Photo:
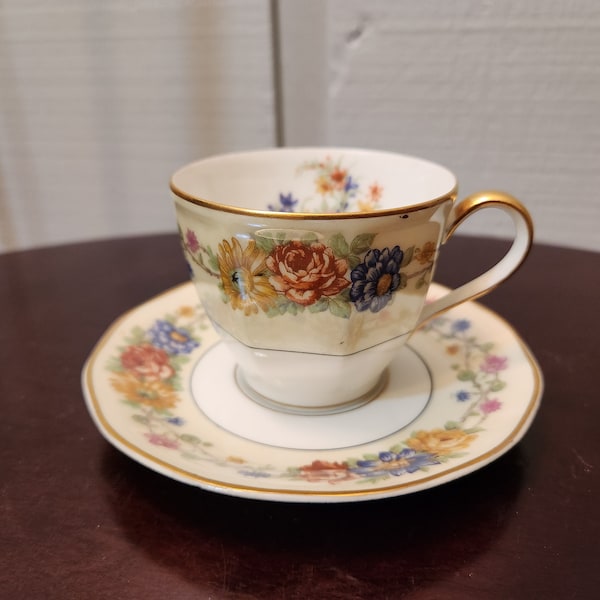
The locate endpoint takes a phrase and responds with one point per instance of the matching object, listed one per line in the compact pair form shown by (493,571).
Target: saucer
(161,388)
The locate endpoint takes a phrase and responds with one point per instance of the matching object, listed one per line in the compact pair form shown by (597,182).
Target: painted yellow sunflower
(244,278)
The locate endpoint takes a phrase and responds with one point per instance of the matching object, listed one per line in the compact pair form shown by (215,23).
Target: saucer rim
(177,473)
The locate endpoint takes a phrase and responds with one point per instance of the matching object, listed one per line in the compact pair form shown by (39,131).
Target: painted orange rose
(305,273)
(332,472)
(147,361)
(440,441)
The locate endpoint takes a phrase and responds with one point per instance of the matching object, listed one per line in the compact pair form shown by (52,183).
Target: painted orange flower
(375,192)
(243,275)
(154,393)
(305,273)
(425,254)
(146,361)
(324,185)
(186,311)
(338,177)
(440,441)
(332,472)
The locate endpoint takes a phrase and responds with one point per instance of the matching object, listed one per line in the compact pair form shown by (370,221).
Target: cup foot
(291,409)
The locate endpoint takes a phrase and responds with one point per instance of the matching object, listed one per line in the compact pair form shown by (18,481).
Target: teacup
(314,263)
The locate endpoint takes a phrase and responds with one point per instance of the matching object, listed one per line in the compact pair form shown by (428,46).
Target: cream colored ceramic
(161,388)
(313,264)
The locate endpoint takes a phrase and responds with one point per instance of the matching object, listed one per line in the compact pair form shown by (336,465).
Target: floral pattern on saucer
(145,373)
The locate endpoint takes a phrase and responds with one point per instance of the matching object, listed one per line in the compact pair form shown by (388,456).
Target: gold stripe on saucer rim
(189,477)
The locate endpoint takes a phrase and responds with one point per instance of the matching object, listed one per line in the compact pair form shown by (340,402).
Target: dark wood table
(81,520)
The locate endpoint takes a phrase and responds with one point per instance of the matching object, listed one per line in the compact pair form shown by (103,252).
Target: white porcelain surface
(161,389)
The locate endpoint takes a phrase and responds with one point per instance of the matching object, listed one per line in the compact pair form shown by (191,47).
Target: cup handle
(511,261)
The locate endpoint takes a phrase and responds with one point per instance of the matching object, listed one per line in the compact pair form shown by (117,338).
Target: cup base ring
(330,409)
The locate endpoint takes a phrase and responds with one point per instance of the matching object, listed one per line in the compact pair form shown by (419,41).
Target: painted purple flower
(350,185)
(492,364)
(376,279)
(172,339)
(287,203)
(461,325)
(490,406)
(463,396)
(392,463)
(191,241)
(177,421)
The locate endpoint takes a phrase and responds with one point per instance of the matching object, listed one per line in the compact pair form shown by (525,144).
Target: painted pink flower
(493,363)
(490,406)
(191,241)
(161,440)
(147,361)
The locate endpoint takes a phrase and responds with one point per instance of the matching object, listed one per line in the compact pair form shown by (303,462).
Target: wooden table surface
(80,520)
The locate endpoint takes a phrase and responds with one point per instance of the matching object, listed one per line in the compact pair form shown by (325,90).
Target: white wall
(101,101)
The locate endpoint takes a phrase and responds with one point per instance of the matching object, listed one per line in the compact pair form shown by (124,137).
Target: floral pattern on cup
(336,190)
(146,372)
(278,276)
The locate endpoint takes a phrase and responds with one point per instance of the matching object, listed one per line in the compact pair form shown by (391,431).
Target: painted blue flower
(392,463)
(376,279)
(350,185)
(287,203)
(171,339)
(463,396)
(177,421)
(461,325)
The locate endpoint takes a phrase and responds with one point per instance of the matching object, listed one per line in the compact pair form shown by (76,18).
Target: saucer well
(161,388)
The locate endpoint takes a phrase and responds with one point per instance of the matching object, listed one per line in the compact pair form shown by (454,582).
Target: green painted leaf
(320,306)
(497,385)
(408,256)
(293,308)
(213,261)
(353,261)
(474,430)
(309,238)
(339,246)
(466,375)
(189,438)
(370,457)
(140,419)
(345,295)
(266,244)
(362,243)
(403,281)
(339,308)
(452,425)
